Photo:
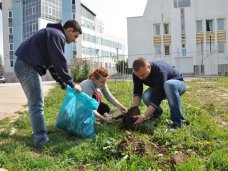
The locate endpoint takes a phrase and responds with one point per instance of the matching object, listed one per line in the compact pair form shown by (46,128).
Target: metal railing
(192,64)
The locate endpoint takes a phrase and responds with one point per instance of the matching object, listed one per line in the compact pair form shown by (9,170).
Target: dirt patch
(159,153)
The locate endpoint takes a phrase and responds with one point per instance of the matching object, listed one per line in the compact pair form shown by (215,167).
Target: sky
(113,13)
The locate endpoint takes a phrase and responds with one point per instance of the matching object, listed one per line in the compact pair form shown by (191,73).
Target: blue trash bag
(76,114)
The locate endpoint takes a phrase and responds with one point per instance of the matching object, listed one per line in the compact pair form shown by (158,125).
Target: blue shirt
(159,74)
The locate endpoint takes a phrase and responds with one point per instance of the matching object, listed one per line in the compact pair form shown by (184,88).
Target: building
(99,48)
(22,18)
(188,34)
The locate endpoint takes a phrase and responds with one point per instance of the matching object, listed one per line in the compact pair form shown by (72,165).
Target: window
(181,3)
(10,14)
(182,22)
(166,28)
(11,46)
(220,24)
(199,26)
(33,26)
(209,25)
(183,50)
(11,63)
(49,10)
(33,10)
(157,49)
(74,17)
(221,47)
(167,50)
(10,30)
(199,48)
(210,47)
(157,29)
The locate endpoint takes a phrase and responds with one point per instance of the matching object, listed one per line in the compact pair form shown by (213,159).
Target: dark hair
(73,24)
(139,63)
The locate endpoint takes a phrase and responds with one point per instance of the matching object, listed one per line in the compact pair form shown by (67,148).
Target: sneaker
(41,143)
(176,126)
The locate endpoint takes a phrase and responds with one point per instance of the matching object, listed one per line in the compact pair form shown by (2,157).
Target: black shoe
(176,126)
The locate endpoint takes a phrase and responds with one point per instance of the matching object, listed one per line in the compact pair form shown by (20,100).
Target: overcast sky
(112,12)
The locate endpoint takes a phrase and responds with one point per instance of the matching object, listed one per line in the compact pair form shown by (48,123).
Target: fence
(192,64)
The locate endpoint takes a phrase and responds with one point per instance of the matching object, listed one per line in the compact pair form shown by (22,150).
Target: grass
(204,142)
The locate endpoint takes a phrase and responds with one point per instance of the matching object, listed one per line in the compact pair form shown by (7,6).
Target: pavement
(13,99)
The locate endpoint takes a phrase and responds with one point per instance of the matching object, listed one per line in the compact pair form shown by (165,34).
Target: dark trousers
(103,108)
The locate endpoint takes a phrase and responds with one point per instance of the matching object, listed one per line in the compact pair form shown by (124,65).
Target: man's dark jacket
(159,74)
(45,50)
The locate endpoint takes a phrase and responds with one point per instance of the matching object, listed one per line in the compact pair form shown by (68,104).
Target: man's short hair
(139,63)
(73,24)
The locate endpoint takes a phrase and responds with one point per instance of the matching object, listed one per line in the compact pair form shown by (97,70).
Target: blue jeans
(32,85)
(173,90)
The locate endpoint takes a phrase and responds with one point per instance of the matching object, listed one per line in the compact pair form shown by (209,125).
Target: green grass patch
(204,142)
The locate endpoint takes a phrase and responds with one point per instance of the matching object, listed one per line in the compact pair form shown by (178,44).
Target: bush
(79,70)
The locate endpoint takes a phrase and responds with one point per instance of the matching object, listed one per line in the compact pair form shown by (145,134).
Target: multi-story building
(22,18)
(96,46)
(188,34)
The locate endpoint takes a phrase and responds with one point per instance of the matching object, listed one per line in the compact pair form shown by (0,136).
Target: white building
(22,18)
(185,33)
(97,46)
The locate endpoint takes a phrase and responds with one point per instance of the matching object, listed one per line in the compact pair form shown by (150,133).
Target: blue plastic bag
(76,114)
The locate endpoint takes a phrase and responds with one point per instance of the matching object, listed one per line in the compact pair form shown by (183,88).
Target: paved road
(12,99)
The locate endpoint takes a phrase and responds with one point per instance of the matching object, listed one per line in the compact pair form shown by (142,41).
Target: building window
(181,3)
(221,47)
(33,10)
(199,26)
(220,24)
(182,23)
(11,46)
(33,26)
(209,25)
(10,30)
(50,10)
(166,28)
(167,50)
(11,63)
(10,14)
(157,29)
(157,49)
(183,50)
(73,16)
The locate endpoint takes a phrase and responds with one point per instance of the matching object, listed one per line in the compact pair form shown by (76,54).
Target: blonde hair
(98,73)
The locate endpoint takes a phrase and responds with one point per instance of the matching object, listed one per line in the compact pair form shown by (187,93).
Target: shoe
(176,126)
(41,143)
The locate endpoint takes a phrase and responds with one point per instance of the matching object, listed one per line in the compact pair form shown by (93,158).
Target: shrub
(79,70)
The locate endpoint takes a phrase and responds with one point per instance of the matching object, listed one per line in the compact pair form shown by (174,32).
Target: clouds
(114,13)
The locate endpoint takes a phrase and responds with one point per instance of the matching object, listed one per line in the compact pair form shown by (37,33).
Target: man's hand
(123,109)
(140,119)
(78,88)
(109,120)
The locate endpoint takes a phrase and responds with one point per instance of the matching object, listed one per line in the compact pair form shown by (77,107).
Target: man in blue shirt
(164,82)
(44,51)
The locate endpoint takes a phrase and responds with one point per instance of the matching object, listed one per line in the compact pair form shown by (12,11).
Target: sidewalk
(13,99)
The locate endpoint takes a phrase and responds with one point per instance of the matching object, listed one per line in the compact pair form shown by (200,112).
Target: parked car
(2,79)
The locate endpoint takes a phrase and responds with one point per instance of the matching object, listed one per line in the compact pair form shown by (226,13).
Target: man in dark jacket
(164,82)
(44,51)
